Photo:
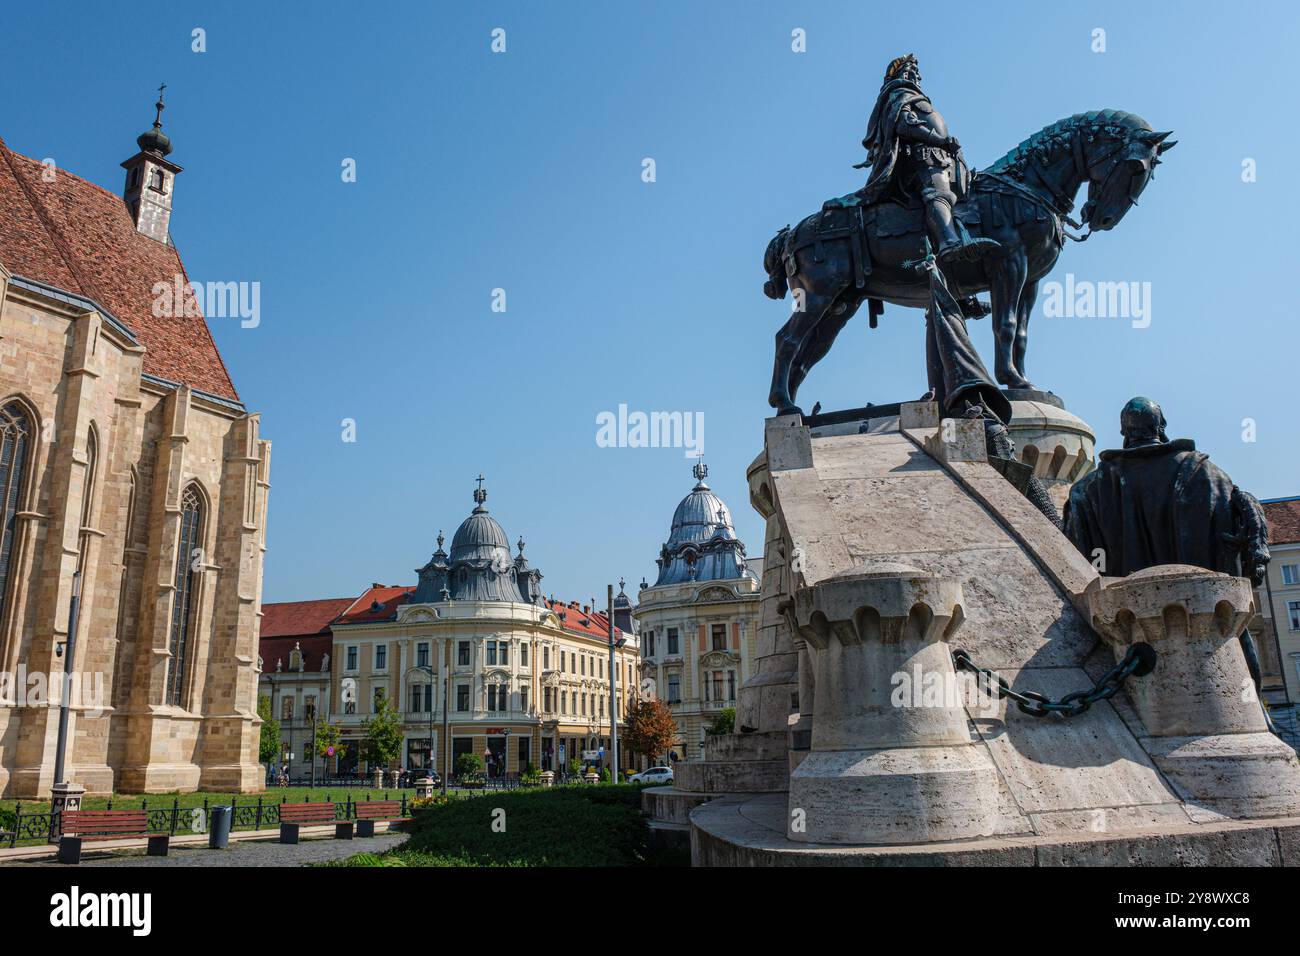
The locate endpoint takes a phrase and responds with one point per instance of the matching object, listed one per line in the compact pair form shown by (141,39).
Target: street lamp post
(613,683)
(70,653)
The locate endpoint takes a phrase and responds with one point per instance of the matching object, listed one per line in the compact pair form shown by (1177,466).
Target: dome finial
(701,470)
(155,140)
(480,496)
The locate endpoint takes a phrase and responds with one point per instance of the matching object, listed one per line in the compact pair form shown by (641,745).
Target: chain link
(1140,661)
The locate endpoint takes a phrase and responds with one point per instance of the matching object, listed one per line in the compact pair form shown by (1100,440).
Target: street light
(614,645)
(428,669)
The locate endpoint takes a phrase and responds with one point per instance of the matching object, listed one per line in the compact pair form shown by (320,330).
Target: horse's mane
(1058,134)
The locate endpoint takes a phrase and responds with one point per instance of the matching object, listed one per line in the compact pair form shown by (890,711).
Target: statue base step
(901,795)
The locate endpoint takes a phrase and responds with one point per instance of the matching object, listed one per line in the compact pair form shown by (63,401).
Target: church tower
(149,180)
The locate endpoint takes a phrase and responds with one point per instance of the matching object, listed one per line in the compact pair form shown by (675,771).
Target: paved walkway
(242,853)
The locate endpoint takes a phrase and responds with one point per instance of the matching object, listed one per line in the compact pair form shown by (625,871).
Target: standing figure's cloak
(1155,504)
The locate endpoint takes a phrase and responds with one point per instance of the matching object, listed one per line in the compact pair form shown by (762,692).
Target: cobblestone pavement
(247,853)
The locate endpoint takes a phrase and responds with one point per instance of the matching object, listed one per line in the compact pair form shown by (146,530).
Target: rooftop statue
(999,230)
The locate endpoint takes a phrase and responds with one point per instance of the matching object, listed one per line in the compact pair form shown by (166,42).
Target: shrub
(571,826)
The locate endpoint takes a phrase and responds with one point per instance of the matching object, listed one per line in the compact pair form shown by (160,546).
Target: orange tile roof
(1283,516)
(79,237)
(387,597)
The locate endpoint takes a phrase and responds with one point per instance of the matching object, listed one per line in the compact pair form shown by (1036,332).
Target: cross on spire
(480,495)
(159,106)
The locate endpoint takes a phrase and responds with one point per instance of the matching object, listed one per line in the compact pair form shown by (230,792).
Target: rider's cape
(882,143)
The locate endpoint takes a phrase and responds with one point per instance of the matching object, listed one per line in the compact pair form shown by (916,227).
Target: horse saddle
(892,218)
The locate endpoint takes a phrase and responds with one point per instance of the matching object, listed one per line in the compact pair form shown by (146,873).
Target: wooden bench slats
(379,810)
(306,813)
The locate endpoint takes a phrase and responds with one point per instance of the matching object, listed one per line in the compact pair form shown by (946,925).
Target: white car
(653,775)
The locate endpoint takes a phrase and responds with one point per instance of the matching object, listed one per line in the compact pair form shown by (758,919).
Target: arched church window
(15,444)
(189,561)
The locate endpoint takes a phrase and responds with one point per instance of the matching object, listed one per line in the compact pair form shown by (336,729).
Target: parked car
(653,775)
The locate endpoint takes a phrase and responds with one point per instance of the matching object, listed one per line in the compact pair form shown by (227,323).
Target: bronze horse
(849,252)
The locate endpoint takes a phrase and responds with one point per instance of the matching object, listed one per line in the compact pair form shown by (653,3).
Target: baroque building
(476,660)
(127,460)
(698,623)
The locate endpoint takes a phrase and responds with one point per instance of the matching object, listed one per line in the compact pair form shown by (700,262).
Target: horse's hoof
(784,410)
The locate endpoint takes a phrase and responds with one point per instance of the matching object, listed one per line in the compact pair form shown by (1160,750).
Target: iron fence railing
(26,826)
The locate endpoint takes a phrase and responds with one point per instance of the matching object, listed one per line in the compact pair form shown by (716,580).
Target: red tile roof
(306,623)
(1283,520)
(76,236)
(387,597)
(278,649)
(597,623)
(301,618)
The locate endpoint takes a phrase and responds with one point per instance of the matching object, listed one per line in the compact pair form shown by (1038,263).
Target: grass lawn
(582,825)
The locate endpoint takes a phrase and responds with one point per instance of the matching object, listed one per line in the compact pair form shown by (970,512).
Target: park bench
(78,826)
(377,811)
(294,815)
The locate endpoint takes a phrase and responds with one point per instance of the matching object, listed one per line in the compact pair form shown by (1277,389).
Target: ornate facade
(519,677)
(698,623)
(129,459)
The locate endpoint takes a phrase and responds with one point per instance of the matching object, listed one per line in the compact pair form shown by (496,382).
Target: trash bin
(219,827)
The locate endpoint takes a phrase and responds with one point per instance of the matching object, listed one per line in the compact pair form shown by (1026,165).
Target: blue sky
(522,171)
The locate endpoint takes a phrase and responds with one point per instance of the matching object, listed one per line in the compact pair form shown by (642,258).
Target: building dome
(480,538)
(702,544)
(479,567)
(154,141)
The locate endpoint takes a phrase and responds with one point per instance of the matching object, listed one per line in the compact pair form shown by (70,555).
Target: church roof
(79,238)
(1283,516)
(301,618)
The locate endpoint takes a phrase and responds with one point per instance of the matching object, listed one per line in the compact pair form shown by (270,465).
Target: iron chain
(1140,661)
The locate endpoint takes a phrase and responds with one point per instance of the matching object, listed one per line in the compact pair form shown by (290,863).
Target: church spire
(149,178)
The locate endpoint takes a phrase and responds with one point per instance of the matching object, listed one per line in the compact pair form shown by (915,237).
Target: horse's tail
(774,265)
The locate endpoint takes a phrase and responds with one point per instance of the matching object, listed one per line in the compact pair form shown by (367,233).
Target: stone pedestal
(1059,446)
(424,788)
(66,796)
(379,778)
(891,758)
(591,776)
(1201,721)
(548,778)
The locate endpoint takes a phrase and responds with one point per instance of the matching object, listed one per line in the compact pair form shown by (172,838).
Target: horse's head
(1117,173)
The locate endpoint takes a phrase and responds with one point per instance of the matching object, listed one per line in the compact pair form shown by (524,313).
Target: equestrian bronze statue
(998,230)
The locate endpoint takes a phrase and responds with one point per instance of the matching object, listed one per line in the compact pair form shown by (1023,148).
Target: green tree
(382,733)
(327,736)
(723,723)
(469,765)
(268,749)
(651,729)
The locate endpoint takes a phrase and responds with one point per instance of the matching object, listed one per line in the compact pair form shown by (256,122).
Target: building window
(523,655)
(717,685)
(674,641)
(286,708)
(583,665)
(503,649)
(492,697)
(377,700)
(416,697)
(462,653)
(422,654)
(352,657)
(491,653)
(546,658)
(561,661)
(523,699)
(309,707)
(428,698)
(381,657)
(719,637)
(15,434)
(564,701)
(189,560)
(731,685)
(547,697)
(674,689)
(1291,574)
(462,697)
(650,643)
(1293,612)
